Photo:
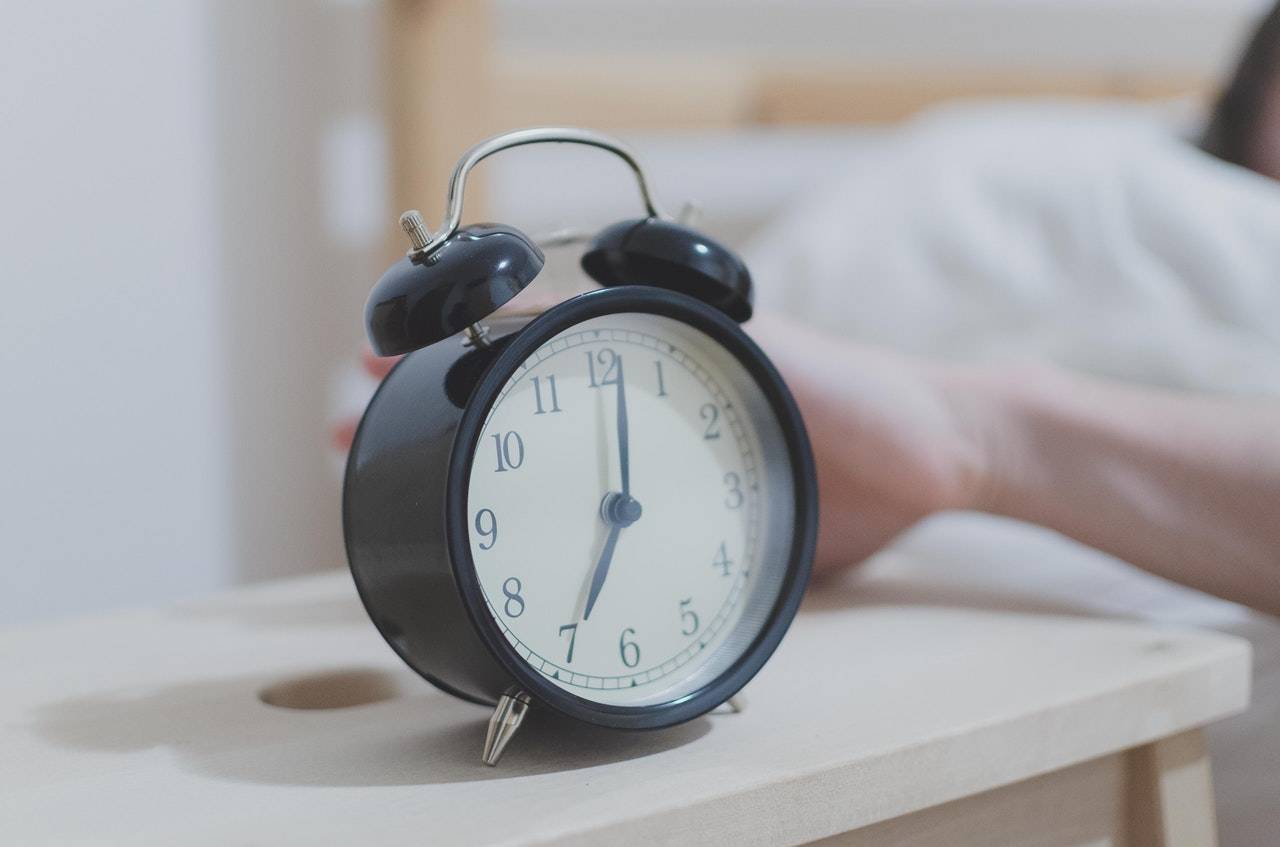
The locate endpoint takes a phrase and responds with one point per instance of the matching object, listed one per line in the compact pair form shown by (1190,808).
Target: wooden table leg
(1170,793)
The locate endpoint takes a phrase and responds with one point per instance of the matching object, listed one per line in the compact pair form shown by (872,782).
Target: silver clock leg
(736,704)
(503,724)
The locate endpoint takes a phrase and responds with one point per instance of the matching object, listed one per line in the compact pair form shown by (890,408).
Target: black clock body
(404,509)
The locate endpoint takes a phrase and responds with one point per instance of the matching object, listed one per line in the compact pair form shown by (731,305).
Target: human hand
(377,367)
(531,301)
(893,439)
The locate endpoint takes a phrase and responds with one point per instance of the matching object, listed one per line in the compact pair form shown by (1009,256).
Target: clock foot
(736,704)
(506,719)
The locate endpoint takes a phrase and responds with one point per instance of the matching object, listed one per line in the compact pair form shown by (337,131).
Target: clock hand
(602,569)
(624,450)
(618,509)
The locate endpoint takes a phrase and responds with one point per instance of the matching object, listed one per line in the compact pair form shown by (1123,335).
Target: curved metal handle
(519,138)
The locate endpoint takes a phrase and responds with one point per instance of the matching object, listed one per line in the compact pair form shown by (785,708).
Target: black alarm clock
(607,509)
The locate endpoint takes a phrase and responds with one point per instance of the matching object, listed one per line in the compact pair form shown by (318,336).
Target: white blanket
(1092,237)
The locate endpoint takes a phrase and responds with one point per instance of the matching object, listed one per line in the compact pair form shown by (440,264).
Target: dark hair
(1236,125)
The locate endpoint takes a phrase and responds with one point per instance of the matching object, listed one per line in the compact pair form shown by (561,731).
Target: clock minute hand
(624,448)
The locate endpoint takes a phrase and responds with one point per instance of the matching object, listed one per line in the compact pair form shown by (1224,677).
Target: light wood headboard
(454,80)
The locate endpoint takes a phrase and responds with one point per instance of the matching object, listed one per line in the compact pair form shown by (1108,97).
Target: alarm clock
(607,509)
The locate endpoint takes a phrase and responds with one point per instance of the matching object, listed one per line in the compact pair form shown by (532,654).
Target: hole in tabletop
(340,689)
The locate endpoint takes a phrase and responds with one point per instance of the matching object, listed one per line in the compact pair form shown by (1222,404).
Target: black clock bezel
(724,331)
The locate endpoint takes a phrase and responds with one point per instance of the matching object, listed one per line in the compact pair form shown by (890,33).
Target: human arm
(1184,485)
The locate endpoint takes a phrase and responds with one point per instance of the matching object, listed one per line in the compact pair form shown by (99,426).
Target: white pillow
(1089,235)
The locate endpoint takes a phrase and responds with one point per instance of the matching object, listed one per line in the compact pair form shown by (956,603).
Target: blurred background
(196,195)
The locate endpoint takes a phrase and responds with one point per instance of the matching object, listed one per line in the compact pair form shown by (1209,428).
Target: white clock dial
(630,509)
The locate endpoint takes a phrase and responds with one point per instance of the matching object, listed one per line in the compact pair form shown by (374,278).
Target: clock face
(630,510)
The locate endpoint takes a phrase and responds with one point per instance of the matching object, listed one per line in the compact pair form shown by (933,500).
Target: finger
(534,300)
(378,366)
(343,434)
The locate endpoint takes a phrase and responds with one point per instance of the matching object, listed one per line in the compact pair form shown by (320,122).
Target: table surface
(886,697)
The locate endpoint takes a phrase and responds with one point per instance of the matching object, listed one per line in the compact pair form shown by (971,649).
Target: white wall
(113,430)
(302,208)
(185,246)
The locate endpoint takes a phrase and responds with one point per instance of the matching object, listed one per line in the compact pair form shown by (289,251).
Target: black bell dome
(664,254)
(424,299)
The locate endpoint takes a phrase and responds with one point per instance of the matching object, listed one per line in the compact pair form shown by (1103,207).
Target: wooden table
(888,716)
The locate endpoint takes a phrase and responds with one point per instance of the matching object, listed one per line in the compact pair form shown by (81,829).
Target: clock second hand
(618,510)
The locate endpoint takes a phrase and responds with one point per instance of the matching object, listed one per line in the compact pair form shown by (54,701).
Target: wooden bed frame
(450,85)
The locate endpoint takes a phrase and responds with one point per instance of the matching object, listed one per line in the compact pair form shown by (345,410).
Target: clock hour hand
(602,569)
(618,511)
